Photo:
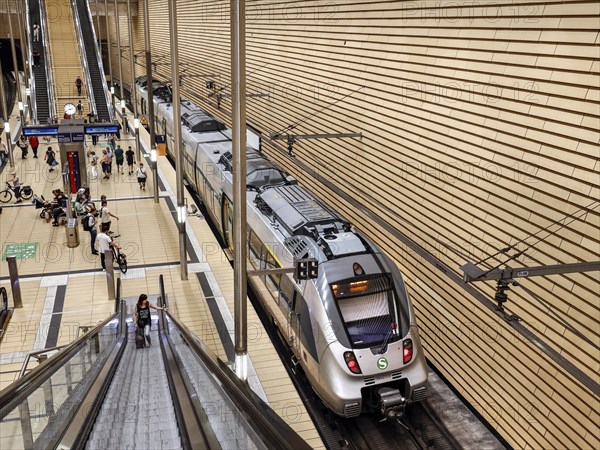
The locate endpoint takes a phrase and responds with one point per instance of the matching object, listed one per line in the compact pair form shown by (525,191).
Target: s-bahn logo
(382,363)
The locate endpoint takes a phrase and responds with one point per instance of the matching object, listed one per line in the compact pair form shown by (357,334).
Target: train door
(287,301)
(227,220)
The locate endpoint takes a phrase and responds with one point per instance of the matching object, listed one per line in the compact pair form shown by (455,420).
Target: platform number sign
(382,363)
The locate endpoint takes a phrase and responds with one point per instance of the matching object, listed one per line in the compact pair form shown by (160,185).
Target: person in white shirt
(36,32)
(104,244)
(141,176)
(105,216)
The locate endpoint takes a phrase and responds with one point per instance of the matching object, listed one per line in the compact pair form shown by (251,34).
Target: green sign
(24,250)
(382,363)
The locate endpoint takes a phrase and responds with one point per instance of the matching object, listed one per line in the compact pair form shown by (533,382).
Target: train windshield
(368,310)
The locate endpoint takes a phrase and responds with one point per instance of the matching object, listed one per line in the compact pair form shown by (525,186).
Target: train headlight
(351,362)
(407,350)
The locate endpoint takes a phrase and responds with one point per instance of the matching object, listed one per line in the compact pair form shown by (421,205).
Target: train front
(373,361)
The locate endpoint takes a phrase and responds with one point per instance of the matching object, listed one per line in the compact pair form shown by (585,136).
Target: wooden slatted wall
(480,129)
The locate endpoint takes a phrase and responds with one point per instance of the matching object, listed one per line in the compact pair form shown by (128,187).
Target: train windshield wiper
(387,337)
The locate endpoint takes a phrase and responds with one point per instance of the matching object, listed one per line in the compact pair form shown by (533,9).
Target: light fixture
(241,366)
(20,106)
(136,123)
(153,155)
(123,104)
(27,92)
(6,127)
(181,213)
(112,90)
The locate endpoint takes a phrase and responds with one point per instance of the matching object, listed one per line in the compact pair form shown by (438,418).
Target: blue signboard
(102,129)
(77,137)
(40,131)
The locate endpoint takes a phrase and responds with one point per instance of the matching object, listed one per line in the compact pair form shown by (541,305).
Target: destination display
(67,138)
(40,131)
(102,129)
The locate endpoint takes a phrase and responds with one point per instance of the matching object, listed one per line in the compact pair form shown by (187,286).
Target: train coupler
(391,403)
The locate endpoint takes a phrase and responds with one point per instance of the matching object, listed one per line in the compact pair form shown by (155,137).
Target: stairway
(137,411)
(42,101)
(96,76)
(65,54)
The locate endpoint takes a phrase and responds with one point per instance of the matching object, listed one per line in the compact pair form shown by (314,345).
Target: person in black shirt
(129,156)
(141,316)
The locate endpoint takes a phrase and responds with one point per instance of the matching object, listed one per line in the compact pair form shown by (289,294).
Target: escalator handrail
(100,65)
(271,429)
(83,55)
(49,64)
(28,32)
(17,392)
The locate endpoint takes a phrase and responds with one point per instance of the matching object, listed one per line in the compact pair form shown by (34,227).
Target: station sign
(67,138)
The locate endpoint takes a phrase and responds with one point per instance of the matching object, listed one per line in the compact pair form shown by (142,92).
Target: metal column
(133,93)
(176,102)
(110,69)
(15,284)
(24,52)
(150,89)
(14,58)
(119,56)
(3,107)
(238,79)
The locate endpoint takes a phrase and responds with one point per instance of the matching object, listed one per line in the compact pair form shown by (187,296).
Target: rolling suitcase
(139,338)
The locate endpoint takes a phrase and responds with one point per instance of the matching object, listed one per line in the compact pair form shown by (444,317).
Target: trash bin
(72,233)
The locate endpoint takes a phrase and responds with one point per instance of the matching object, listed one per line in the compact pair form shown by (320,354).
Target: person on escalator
(36,32)
(141,317)
(78,85)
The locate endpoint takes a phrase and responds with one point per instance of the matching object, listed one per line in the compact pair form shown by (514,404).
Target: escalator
(95,71)
(40,91)
(101,392)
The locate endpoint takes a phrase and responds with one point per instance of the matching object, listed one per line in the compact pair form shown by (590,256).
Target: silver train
(352,330)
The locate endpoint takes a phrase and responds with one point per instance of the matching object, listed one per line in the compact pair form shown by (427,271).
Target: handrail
(118,295)
(101,64)
(82,55)
(270,428)
(32,97)
(17,392)
(49,66)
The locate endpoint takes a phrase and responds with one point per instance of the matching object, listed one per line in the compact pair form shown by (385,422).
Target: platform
(64,288)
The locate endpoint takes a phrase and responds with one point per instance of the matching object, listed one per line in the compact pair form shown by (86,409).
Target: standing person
(104,244)
(78,85)
(23,146)
(16,186)
(93,166)
(89,224)
(80,108)
(129,155)
(110,152)
(105,215)
(51,158)
(34,142)
(94,139)
(141,176)
(36,58)
(4,152)
(141,316)
(36,32)
(105,162)
(119,158)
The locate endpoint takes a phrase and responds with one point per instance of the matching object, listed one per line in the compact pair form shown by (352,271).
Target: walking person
(78,85)
(141,317)
(16,186)
(34,142)
(111,153)
(105,215)
(36,32)
(141,176)
(23,146)
(80,109)
(104,244)
(119,158)
(89,224)
(93,166)
(51,159)
(105,164)
(129,155)
(36,58)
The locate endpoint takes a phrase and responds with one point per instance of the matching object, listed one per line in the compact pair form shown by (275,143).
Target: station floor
(64,289)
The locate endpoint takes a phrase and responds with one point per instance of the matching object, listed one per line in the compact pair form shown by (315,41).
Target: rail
(51,390)
(83,56)
(259,423)
(32,97)
(100,65)
(49,66)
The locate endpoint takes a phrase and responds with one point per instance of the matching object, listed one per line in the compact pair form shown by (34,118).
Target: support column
(110,68)
(110,273)
(150,89)
(120,61)
(238,80)
(14,58)
(3,107)
(176,102)
(133,92)
(14,281)
(24,53)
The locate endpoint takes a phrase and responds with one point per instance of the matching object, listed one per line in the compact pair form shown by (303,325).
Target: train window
(254,246)
(286,291)
(272,281)
(368,310)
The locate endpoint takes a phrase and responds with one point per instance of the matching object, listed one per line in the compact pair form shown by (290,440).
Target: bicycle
(119,257)
(7,194)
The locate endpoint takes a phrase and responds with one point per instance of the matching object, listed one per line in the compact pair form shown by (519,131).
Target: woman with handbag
(51,159)
(142,321)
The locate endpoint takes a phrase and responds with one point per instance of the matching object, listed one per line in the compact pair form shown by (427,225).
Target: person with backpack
(51,159)
(141,176)
(80,109)
(78,85)
(142,320)
(89,224)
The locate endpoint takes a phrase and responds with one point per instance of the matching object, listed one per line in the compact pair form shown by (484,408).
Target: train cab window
(272,281)
(266,176)
(368,310)
(254,247)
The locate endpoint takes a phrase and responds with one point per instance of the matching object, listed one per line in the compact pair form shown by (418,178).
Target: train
(352,329)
